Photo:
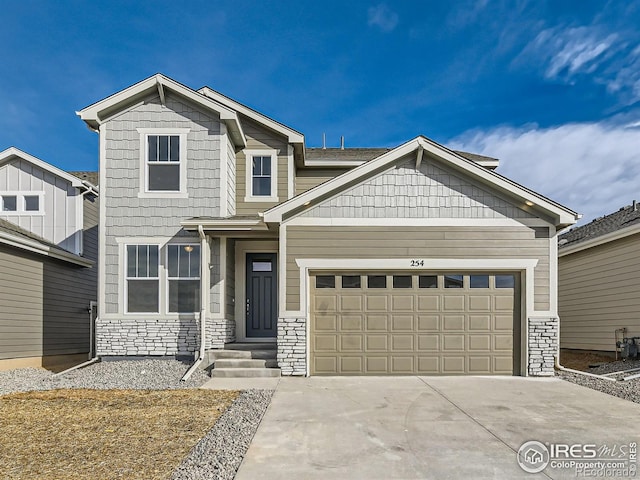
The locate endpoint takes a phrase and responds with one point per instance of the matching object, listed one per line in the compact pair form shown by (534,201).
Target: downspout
(204,281)
(579,372)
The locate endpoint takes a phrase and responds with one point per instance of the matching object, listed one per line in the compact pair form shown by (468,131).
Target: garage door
(407,323)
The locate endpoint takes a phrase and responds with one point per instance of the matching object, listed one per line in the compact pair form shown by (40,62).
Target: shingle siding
(404,192)
(130,216)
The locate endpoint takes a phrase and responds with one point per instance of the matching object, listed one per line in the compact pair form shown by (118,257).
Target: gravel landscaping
(629,390)
(147,374)
(216,456)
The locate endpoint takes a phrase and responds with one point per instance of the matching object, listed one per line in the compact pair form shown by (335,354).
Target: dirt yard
(104,434)
(581,360)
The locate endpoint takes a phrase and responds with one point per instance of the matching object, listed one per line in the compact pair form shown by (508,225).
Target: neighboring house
(48,256)
(599,281)
(413,260)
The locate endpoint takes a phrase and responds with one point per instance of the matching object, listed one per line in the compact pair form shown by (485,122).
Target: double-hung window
(143,282)
(183,277)
(163,162)
(262,174)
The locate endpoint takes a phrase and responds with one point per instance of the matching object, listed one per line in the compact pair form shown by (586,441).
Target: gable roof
(353,157)
(16,236)
(96,113)
(13,152)
(530,200)
(622,223)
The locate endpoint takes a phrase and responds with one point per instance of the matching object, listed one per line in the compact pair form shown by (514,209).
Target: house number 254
(417,263)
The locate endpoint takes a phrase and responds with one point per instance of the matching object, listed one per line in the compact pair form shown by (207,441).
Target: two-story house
(218,226)
(48,256)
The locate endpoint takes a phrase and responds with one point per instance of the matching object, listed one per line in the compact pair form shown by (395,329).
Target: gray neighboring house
(219,227)
(599,281)
(48,262)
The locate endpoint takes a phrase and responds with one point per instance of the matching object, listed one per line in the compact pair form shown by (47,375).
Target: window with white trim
(262,175)
(163,163)
(183,278)
(142,280)
(21,203)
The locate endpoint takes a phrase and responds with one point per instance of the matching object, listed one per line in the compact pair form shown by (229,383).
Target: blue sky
(551,88)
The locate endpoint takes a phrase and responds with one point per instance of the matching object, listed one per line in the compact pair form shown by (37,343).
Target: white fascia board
(11,152)
(560,214)
(36,247)
(594,242)
(91,114)
(563,215)
(334,163)
(292,135)
(275,214)
(225,224)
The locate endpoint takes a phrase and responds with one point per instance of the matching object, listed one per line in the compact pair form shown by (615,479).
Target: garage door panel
(351,365)
(351,303)
(453,303)
(377,322)
(479,323)
(379,303)
(428,322)
(479,365)
(428,303)
(377,365)
(402,303)
(401,331)
(479,303)
(479,343)
(401,322)
(453,322)
(452,342)
(402,343)
(377,342)
(351,322)
(429,343)
(326,303)
(325,343)
(453,365)
(429,365)
(350,343)
(326,365)
(402,365)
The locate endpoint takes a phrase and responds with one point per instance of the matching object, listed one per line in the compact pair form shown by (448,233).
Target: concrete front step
(251,346)
(244,363)
(244,372)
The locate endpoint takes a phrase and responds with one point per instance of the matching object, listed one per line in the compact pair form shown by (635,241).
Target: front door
(262,295)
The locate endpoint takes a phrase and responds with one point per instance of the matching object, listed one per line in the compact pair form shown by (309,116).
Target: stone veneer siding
(147,336)
(292,346)
(543,346)
(220,331)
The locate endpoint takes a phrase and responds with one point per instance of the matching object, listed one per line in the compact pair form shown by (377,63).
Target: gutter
(204,280)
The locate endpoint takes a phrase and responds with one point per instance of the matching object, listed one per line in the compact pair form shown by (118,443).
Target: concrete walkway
(426,427)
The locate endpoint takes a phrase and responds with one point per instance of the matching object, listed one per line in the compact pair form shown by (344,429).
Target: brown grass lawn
(103,434)
(581,360)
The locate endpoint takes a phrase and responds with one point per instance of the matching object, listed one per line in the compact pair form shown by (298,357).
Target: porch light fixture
(528,203)
(188,248)
(306,204)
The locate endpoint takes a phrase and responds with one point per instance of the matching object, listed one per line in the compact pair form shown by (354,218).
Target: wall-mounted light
(188,248)
(528,203)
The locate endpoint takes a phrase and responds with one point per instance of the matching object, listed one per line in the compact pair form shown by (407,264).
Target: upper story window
(262,176)
(163,162)
(21,203)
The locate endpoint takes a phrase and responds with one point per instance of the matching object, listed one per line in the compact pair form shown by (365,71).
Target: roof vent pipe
(634,206)
(342,142)
(324,141)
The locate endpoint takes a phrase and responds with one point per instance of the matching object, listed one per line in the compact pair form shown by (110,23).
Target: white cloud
(572,54)
(382,17)
(592,168)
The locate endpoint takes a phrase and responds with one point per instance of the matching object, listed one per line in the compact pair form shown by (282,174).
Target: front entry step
(243,360)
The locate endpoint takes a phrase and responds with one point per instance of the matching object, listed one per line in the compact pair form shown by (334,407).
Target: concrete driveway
(427,427)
